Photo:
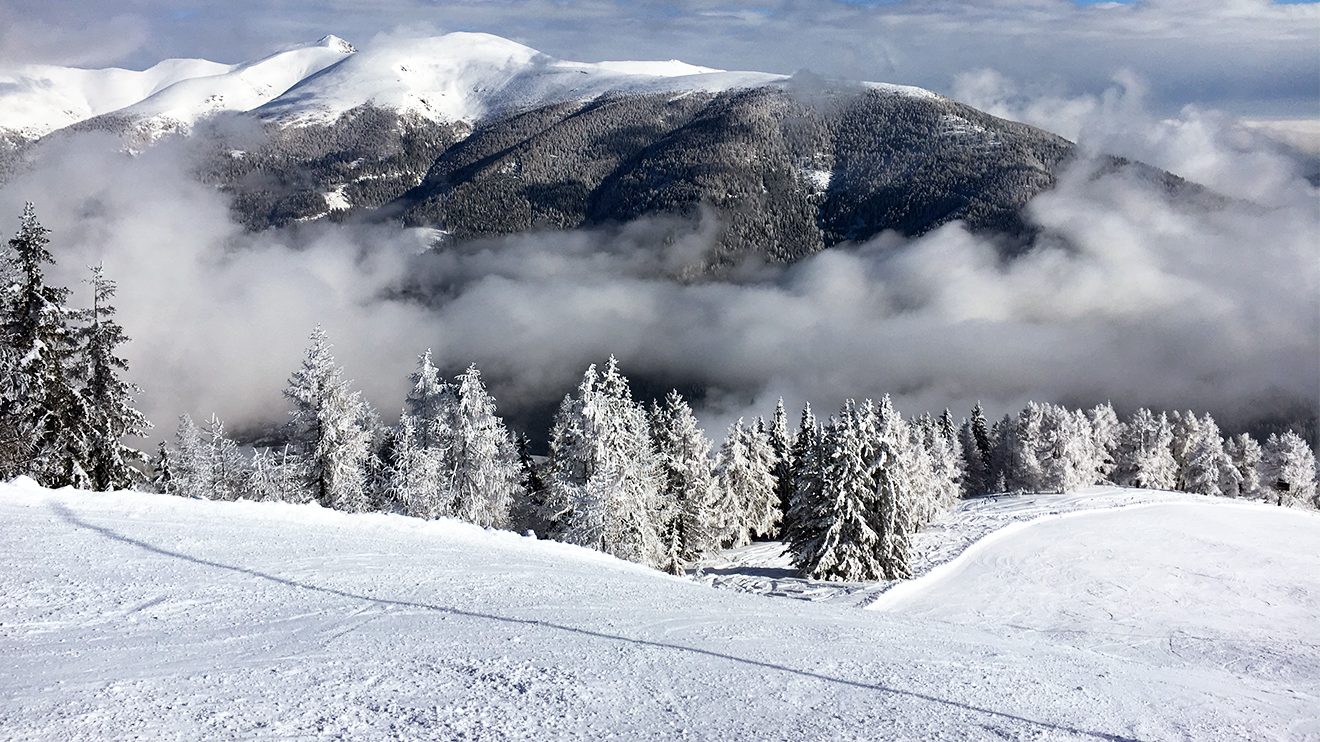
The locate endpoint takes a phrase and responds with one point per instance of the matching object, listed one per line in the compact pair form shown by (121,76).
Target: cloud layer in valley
(1131,298)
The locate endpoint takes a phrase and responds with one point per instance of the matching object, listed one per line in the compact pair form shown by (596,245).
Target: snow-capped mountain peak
(331,41)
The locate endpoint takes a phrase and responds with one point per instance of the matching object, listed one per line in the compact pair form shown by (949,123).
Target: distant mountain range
(476,135)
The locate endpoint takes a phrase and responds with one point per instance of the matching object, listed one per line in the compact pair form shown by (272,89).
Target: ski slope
(131,615)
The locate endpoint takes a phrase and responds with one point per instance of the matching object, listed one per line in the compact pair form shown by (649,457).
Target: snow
(131,615)
(336,199)
(38,99)
(241,88)
(470,76)
(454,78)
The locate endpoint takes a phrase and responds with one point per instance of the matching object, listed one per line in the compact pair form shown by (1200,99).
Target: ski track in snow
(132,615)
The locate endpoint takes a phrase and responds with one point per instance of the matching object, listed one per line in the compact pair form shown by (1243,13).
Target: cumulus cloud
(1127,297)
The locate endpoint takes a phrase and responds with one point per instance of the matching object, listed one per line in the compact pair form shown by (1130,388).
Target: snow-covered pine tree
(1105,432)
(1186,429)
(1025,473)
(430,402)
(1289,470)
(1144,456)
(1068,457)
(836,538)
(805,473)
(416,474)
(894,515)
(109,398)
(604,480)
(984,446)
(975,476)
(162,470)
(781,443)
(529,511)
(745,486)
(1246,455)
(190,471)
(920,483)
(480,462)
(690,526)
(43,399)
(1209,469)
(946,459)
(326,429)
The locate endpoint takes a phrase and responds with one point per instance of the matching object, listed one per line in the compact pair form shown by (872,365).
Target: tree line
(640,482)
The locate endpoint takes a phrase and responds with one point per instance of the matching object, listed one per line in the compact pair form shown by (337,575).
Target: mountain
(476,135)
(39,99)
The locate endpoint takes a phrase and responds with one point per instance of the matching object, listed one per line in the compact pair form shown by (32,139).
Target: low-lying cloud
(1128,298)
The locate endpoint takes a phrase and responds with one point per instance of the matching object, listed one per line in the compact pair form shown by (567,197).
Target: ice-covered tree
(415,474)
(273,476)
(113,416)
(1289,471)
(223,464)
(745,486)
(690,526)
(1144,455)
(1186,430)
(1209,469)
(326,429)
(43,399)
(604,479)
(1067,454)
(946,460)
(190,474)
(1105,432)
(429,403)
(479,459)
(1246,455)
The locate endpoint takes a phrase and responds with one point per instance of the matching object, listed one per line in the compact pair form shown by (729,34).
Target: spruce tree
(326,429)
(745,486)
(690,525)
(805,474)
(43,398)
(975,479)
(840,521)
(781,444)
(604,478)
(479,459)
(109,398)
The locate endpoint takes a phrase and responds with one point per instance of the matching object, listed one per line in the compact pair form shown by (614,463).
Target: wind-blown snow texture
(129,614)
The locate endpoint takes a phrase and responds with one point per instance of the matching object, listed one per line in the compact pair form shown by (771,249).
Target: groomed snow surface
(132,615)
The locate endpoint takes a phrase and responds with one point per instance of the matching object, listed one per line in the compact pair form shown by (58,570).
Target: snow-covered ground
(765,568)
(129,615)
